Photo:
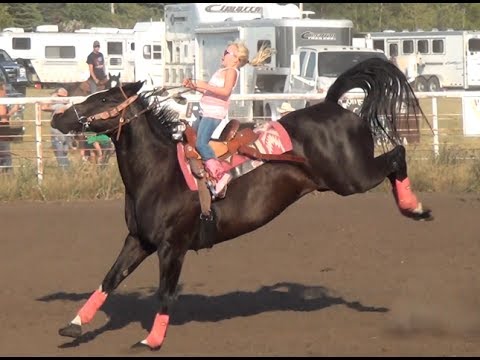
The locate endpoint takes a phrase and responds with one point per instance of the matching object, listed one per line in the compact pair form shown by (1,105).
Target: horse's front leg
(131,255)
(170,262)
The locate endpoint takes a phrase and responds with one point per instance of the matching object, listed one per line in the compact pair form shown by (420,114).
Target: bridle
(121,109)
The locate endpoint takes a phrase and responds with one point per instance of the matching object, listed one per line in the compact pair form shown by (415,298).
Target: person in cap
(285,109)
(96,65)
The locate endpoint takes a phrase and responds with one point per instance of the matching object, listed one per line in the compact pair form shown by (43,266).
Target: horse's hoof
(424,215)
(71,330)
(144,346)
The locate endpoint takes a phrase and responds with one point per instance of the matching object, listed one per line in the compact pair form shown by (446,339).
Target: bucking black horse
(162,213)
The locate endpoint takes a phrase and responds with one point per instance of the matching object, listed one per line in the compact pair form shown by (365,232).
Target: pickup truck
(16,73)
(315,68)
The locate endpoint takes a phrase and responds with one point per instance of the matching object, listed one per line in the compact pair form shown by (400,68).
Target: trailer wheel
(433,84)
(421,84)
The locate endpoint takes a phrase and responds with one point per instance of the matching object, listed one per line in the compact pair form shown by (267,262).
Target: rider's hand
(188,83)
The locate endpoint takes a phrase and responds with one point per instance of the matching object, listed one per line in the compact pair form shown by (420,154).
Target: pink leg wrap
(159,329)
(405,197)
(92,305)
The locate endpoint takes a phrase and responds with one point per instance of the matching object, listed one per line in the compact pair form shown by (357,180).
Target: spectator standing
(5,146)
(60,142)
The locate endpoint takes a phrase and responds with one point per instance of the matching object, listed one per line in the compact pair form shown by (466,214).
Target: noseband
(109,114)
(116,111)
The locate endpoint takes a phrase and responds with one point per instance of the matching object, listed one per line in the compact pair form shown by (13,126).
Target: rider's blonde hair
(243,54)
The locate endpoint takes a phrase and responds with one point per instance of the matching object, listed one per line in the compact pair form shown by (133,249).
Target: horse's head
(98,112)
(113,81)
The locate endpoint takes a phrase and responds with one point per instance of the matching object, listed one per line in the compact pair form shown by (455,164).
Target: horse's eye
(103,100)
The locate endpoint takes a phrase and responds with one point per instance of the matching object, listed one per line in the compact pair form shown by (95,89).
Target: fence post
(436,143)
(38,142)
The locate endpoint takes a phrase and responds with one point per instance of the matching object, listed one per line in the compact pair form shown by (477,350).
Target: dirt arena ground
(329,276)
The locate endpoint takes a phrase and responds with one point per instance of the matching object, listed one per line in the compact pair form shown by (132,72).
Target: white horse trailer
(57,57)
(434,59)
(197,35)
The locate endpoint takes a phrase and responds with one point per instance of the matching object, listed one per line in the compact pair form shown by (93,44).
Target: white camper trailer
(197,35)
(434,59)
(54,57)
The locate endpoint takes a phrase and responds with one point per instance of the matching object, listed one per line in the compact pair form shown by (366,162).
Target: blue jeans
(60,145)
(205,127)
(5,157)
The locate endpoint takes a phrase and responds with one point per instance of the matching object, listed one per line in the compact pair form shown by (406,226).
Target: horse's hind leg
(370,172)
(394,166)
(131,255)
(170,262)
(406,200)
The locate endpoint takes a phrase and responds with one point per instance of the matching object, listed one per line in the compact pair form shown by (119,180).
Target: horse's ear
(132,88)
(109,75)
(119,73)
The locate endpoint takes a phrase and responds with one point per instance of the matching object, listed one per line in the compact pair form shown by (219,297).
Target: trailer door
(149,60)
(117,61)
(473,63)
(211,47)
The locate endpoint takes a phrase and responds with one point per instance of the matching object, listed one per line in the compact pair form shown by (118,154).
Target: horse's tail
(386,91)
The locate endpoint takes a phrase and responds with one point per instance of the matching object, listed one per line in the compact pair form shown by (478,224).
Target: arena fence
(454,118)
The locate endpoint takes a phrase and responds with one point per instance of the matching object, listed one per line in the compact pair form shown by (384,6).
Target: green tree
(53,13)
(92,14)
(5,17)
(127,14)
(25,15)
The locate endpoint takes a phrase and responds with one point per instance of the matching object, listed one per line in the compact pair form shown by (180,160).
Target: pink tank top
(216,106)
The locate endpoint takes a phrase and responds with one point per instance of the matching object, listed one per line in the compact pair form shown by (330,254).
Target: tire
(433,84)
(421,84)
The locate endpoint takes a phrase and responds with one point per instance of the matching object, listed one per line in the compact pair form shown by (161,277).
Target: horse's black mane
(166,120)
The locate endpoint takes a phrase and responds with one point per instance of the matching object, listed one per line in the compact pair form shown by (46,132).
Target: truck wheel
(421,84)
(433,84)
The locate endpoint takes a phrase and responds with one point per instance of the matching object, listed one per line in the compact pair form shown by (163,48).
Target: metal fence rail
(446,120)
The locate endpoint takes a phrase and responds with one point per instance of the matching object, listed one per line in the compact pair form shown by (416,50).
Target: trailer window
(21,43)
(116,61)
(437,46)
(474,45)
(147,52)
(422,46)
(379,44)
(60,52)
(393,49)
(266,43)
(407,47)
(157,52)
(114,48)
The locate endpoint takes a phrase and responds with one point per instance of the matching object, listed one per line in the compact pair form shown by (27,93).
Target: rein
(121,109)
